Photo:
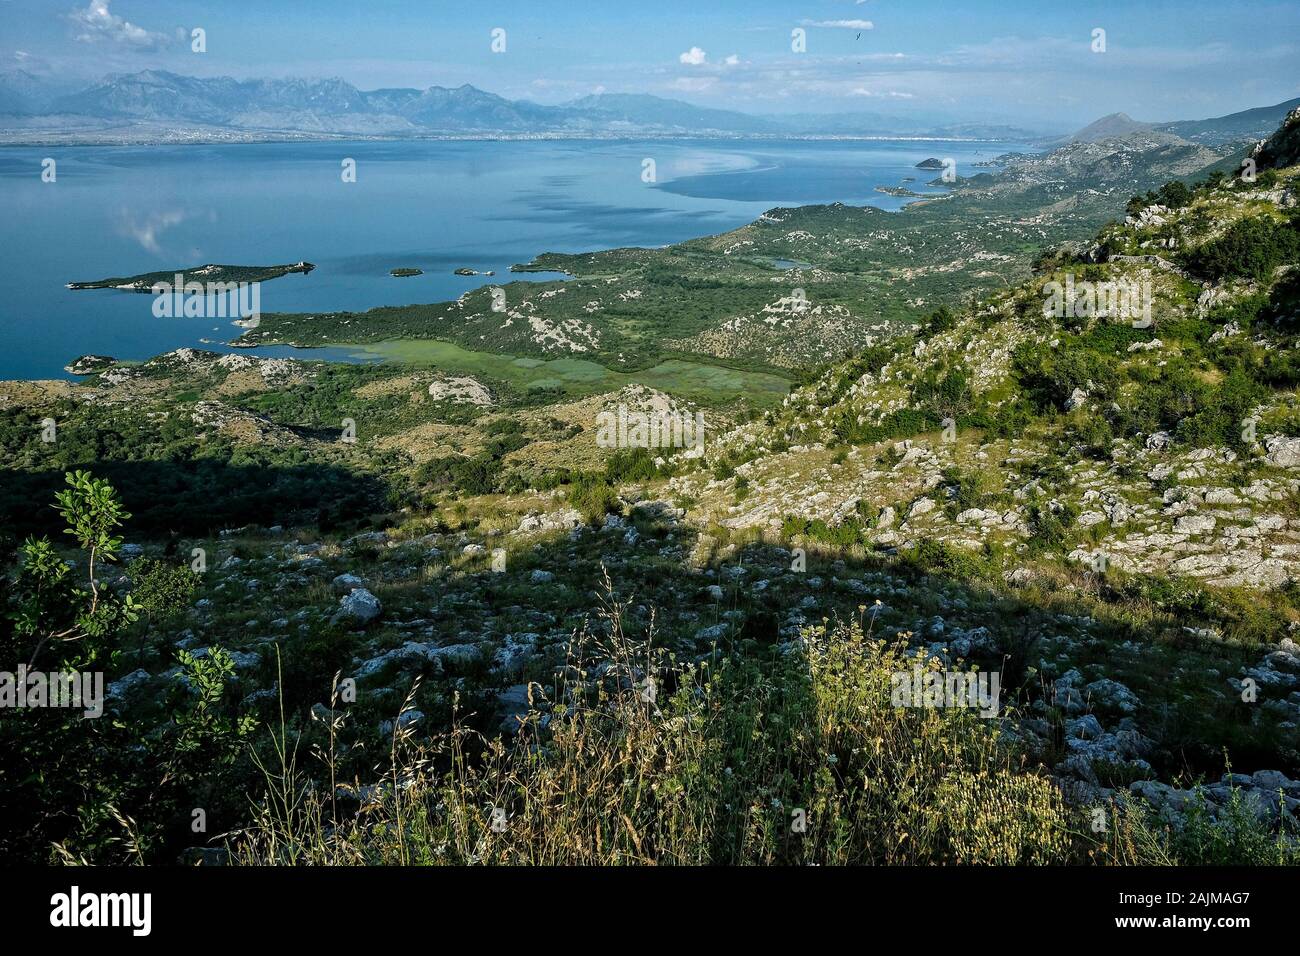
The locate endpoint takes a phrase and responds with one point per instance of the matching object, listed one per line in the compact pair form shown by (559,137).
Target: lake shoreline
(631,214)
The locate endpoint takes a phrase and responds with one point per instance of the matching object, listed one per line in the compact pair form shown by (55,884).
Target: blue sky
(976,60)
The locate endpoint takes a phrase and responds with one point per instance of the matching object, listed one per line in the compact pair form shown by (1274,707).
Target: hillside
(474,614)
(1177,425)
(1257,123)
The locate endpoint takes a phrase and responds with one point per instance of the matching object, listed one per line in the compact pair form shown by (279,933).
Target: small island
(200,274)
(473,272)
(405,273)
(902,192)
(930,163)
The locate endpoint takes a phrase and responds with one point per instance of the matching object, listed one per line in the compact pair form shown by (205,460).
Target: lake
(431,205)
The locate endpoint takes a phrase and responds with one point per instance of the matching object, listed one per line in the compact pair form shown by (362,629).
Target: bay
(435,205)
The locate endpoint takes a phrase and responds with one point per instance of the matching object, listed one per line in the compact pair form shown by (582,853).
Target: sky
(1033,63)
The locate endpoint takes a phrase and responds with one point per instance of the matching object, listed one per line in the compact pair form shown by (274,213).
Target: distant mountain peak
(1116,125)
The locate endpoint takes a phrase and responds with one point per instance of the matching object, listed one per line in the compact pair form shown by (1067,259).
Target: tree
(48,605)
(78,784)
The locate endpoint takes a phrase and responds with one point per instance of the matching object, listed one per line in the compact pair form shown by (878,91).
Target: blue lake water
(432,205)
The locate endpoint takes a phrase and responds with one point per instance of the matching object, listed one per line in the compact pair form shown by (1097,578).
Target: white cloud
(883,94)
(97,24)
(842,24)
(733,60)
(693,57)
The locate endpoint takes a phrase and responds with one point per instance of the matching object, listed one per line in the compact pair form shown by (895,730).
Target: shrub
(1092,432)
(939,321)
(593,496)
(970,489)
(1250,249)
(163,590)
(1235,836)
(1049,528)
(847,533)
(630,464)
(475,475)
(939,557)
(1050,377)
(900,424)
(946,395)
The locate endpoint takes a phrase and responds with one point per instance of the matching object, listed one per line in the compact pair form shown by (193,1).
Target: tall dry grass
(793,756)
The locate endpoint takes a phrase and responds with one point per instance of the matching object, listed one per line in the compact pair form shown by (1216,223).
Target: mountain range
(160,104)
(333,106)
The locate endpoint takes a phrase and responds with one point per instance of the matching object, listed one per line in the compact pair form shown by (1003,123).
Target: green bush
(1049,528)
(1050,376)
(476,475)
(593,497)
(162,589)
(940,320)
(970,489)
(1249,249)
(939,557)
(946,394)
(630,464)
(850,532)
(48,611)
(900,424)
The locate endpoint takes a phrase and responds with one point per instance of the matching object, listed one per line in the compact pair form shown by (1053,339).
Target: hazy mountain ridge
(336,106)
(1257,123)
(220,106)
(157,105)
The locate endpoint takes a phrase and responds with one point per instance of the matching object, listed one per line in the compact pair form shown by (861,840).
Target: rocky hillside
(1087,483)
(1163,437)
(1283,148)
